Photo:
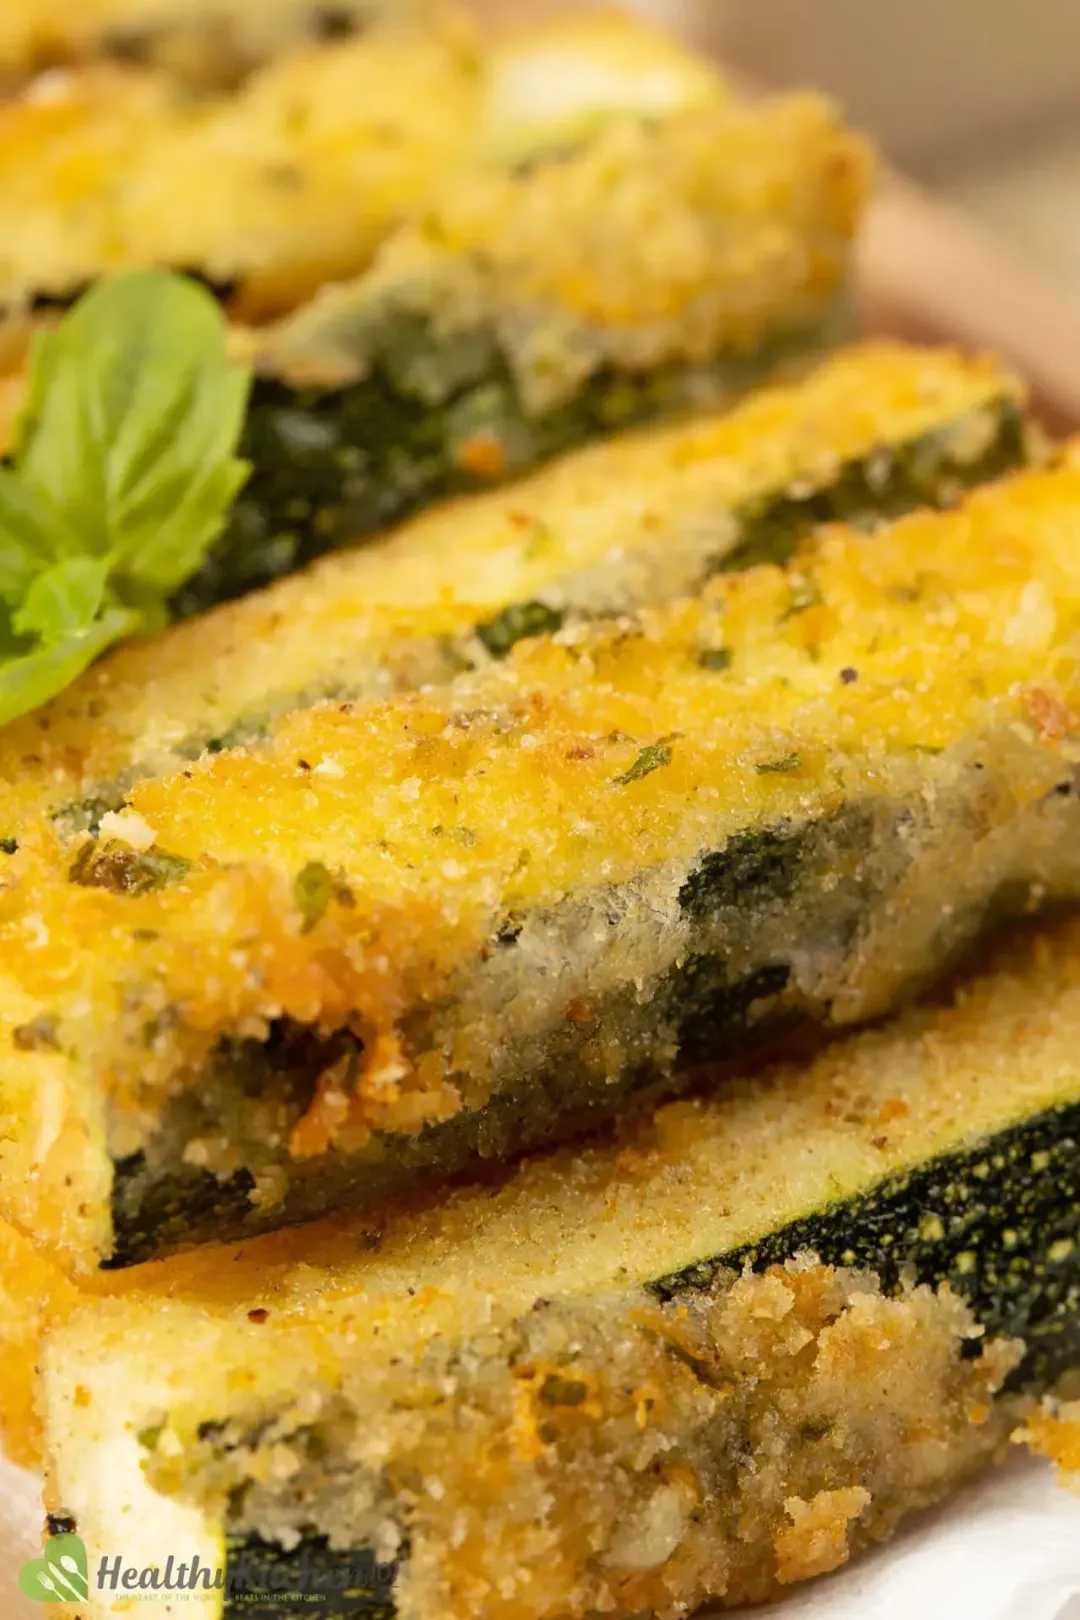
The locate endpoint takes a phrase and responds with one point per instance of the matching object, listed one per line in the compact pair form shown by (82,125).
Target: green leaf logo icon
(59,1575)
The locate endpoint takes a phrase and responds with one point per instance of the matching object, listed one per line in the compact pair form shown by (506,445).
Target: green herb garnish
(38,1036)
(519,622)
(805,594)
(315,887)
(123,476)
(459,835)
(115,866)
(648,760)
(779,767)
(715,658)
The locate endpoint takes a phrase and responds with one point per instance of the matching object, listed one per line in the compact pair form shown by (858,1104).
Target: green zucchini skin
(160,1203)
(159,1208)
(999,1222)
(258,1572)
(896,480)
(152,1213)
(699,1013)
(333,468)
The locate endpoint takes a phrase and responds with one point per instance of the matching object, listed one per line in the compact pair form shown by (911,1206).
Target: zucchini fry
(299,176)
(295,179)
(633,1337)
(207,43)
(655,266)
(400,935)
(660,266)
(641,520)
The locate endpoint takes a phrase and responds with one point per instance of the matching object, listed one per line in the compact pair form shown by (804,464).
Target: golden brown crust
(607,528)
(956,633)
(486,1366)
(294,180)
(711,232)
(600,1454)
(958,628)
(296,177)
(206,42)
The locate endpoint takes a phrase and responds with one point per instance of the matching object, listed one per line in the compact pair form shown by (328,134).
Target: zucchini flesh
(400,935)
(593,1292)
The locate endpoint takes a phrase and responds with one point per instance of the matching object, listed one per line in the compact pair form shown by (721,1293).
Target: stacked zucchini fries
(524,277)
(471,1143)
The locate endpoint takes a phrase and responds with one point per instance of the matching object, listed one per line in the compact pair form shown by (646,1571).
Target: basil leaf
(183,514)
(64,599)
(28,681)
(133,399)
(125,471)
(32,534)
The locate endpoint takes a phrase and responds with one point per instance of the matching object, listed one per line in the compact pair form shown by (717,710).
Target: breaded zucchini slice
(646,1338)
(400,935)
(294,180)
(664,264)
(658,265)
(648,517)
(299,176)
(205,42)
(552,82)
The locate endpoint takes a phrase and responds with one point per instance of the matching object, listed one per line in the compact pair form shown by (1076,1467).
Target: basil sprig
(123,475)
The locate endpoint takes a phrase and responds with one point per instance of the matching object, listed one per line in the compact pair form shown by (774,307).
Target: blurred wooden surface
(927,270)
(930,76)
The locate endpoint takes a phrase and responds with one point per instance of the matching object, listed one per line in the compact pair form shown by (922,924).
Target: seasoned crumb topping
(294,180)
(32,1291)
(1053,1431)
(206,42)
(653,243)
(959,626)
(603,530)
(619,1457)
